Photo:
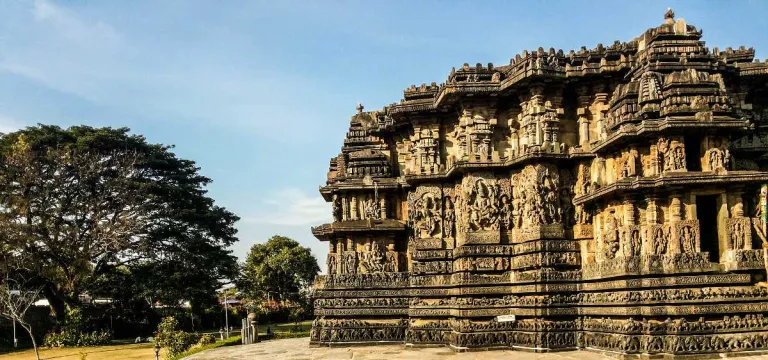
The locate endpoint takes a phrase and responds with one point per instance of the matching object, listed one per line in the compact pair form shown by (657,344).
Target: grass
(303,326)
(126,349)
(234,340)
(142,351)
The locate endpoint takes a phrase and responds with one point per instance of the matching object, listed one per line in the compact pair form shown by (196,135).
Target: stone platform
(298,349)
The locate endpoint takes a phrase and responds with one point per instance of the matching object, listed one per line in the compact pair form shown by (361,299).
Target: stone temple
(611,199)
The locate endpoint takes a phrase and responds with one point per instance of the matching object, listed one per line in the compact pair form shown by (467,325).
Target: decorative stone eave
(671,179)
(330,231)
(411,106)
(740,55)
(459,168)
(342,184)
(752,69)
(454,92)
(630,132)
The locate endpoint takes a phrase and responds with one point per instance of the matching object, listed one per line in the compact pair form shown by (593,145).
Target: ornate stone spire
(669,16)
(359,108)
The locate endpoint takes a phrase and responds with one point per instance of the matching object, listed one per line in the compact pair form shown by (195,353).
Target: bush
(74,333)
(71,337)
(206,339)
(175,341)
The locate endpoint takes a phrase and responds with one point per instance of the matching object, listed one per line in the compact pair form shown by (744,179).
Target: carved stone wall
(510,208)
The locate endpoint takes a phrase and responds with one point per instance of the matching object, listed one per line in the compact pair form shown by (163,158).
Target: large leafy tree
(85,203)
(280,266)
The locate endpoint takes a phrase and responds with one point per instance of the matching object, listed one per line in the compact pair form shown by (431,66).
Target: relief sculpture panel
(621,207)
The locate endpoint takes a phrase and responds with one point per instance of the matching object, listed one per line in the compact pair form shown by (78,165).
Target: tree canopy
(281,266)
(92,204)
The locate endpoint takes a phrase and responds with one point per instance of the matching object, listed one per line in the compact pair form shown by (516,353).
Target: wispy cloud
(9,124)
(292,207)
(66,24)
(64,51)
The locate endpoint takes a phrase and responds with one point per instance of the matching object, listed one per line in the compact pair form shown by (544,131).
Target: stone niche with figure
(611,199)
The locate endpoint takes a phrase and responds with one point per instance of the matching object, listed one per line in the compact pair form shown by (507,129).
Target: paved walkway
(298,349)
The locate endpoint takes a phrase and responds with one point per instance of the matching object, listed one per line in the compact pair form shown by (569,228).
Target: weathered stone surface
(296,349)
(610,199)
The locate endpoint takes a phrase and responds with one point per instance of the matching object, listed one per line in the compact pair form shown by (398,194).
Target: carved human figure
(482,150)
(659,242)
(505,213)
(548,193)
(350,263)
(662,148)
(585,179)
(611,236)
(331,264)
(716,159)
(515,214)
(373,258)
(426,217)
(678,158)
(483,210)
(631,164)
(336,208)
(459,135)
(391,263)
(737,236)
(635,242)
(372,210)
(552,212)
(582,216)
(449,220)
(687,240)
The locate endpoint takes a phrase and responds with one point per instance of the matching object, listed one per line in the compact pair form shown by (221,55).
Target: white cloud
(292,207)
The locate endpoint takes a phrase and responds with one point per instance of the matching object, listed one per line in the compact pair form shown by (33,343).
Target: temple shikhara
(611,199)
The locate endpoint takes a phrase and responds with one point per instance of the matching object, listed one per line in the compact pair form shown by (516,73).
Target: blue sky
(259,93)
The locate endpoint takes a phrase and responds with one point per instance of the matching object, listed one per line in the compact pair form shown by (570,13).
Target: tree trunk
(57,302)
(31,336)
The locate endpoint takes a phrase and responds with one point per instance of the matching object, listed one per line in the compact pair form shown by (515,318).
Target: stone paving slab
(298,349)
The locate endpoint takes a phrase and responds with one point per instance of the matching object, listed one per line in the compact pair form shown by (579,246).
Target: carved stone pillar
(629,211)
(674,224)
(652,211)
(553,120)
(598,109)
(344,208)
(583,113)
(353,208)
(383,206)
(736,203)
(675,208)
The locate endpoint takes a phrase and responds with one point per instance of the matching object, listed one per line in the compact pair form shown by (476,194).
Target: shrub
(175,341)
(206,339)
(73,333)
(72,337)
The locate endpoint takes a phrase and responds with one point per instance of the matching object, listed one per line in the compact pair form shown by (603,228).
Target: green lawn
(126,349)
(303,326)
(110,352)
(233,340)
